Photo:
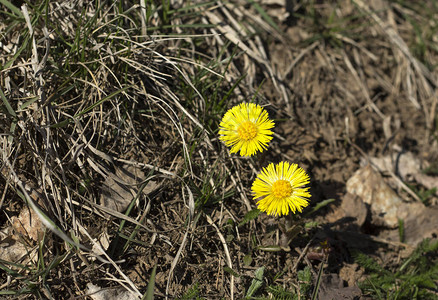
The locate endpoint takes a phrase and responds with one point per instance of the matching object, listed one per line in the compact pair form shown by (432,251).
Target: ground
(114,179)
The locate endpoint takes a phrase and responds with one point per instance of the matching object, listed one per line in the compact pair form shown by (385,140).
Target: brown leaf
(27,225)
(332,287)
(119,189)
(387,208)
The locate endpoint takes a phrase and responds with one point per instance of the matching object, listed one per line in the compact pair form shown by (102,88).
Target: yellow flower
(281,187)
(245,127)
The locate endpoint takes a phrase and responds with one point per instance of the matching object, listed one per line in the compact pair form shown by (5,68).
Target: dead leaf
(27,225)
(120,188)
(97,293)
(387,208)
(429,182)
(103,242)
(12,250)
(352,207)
(407,166)
(350,273)
(332,287)
(420,224)
(402,164)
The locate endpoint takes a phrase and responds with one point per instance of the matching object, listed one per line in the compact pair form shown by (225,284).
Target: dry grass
(109,134)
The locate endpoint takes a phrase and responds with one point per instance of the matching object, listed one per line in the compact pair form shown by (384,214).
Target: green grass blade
(401,230)
(17,54)
(191,7)
(12,114)
(7,104)
(116,250)
(264,15)
(318,206)
(318,281)
(88,109)
(8,292)
(149,295)
(12,7)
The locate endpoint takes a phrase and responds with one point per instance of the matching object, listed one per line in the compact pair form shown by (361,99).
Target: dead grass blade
(227,253)
(423,75)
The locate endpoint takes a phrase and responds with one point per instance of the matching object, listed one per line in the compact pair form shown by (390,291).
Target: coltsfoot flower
(245,127)
(281,189)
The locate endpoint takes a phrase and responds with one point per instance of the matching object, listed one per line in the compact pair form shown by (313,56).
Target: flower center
(247,130)
(281,189)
